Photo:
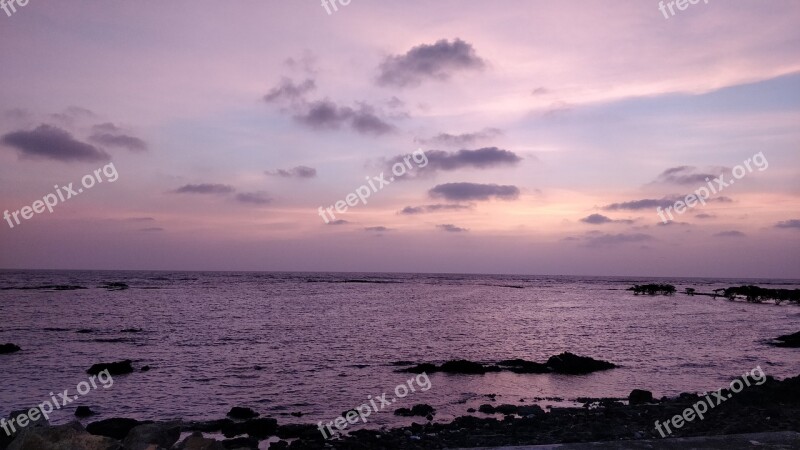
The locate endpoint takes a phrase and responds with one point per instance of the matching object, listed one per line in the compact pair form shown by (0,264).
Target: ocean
(318,344)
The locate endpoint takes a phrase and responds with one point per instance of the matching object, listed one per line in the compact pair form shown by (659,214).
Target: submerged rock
(421,410)
(523,366)
(115,368)
(83,411)
(9,348)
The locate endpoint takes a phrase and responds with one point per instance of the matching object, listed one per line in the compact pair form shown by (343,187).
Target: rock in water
(9,348)
(115,368)
(570,363)
(83,411)
(241,412)
(197,442)
(639,396)
(116,427)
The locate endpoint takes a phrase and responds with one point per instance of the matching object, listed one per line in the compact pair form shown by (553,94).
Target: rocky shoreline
(772,406)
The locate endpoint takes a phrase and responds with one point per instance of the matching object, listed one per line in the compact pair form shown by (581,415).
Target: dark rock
(261,428)
(290,431)
(209,426)
(486,409)
(5,438)
(523,366)
(115,368)
(83,411)
(640,396)
(421,410)
(62,437)
(242,442)
(531,410)
(296,414)
(280,445)
(569,363)
(116,428)
(196,441)
(8,348)
(507,409)
(787,340)
(420,368)
(462,366)
(240,412)
(163,435)
(145,369)
(470,410)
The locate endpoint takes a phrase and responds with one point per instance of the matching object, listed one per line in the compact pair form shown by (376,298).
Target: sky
(519,137)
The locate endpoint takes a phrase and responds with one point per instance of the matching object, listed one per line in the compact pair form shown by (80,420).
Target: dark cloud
(482,158)
(793,223)
(464,139)
(49,142)
(683,175)
(255,198)
(450,228)
(377,229)
(141,219)
(540,91)
(672,223)
(601,240)
(295,172)
(410,210)
(205,188)
(306,62)
(473,191)
(436,62)
(647,203)
(338,222)
(287,90)
(73,114)
(325,114)
(597,219)
(110,135)
(704,216)
(731,233)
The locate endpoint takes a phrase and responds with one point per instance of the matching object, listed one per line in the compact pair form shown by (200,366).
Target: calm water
(324,344)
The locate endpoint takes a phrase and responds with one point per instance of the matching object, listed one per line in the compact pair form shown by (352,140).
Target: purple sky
(551,132)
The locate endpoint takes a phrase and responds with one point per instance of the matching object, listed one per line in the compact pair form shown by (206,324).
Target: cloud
(793,223)
(704,216)
(464,139)
(647,203)
(327,115)
(338,222)
(731,233)
(540,91)
(433,62)
(482,158)
(205,188)
(672,223)
(49,142)
(600,240)
(683,175)
(450,228)
(410,210)
(255,198)
(597,219)
(110,135)
(295,172)
(377,229)
(473,191)
(141,219)
(287,90)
